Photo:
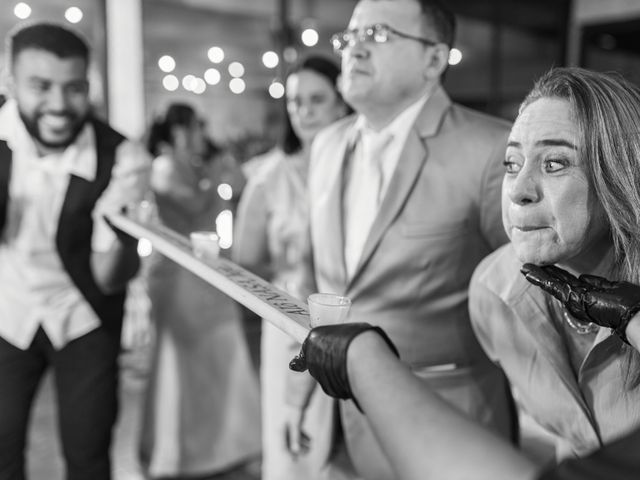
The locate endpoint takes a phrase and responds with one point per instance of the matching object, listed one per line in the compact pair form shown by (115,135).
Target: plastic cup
(141,211)
(205,244)
(327,309)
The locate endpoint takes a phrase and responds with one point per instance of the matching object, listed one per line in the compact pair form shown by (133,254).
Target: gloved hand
(324,353)
(589,298)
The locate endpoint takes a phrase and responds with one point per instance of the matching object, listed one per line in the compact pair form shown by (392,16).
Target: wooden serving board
(285,312)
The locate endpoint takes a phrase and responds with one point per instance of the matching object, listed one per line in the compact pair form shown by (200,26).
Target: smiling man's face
(52,95)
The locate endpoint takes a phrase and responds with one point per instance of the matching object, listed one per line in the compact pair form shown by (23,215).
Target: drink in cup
(205,244)
(141,211)
(327,309)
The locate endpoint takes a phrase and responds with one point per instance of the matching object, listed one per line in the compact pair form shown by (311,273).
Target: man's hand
(589,298)
(324,353)
(123,237)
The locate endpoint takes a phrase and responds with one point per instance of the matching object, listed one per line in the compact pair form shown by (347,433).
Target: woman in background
(202,403)
(271,240)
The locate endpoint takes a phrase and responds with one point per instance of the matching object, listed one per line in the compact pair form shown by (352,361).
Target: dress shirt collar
(399,126)
(79,158)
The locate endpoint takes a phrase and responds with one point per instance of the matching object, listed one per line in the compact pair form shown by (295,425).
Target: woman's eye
(511,166)
(554,164)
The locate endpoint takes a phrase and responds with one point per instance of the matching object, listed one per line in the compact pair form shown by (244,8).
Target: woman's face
(549,206)
(312,103)
(189,140)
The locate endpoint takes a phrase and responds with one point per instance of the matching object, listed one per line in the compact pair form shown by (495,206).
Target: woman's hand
(296,439)
(589,298)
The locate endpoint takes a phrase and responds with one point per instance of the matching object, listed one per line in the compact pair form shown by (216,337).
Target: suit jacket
(441,215)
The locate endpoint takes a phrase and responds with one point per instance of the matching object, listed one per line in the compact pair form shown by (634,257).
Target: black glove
(589,298)
(324,353)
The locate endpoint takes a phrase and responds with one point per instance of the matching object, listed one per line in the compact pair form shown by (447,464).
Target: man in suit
(404,203)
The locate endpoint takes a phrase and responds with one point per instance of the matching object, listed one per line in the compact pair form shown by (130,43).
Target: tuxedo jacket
(440,217)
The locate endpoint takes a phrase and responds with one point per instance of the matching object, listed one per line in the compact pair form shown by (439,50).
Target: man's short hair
(441,19)
(50,37)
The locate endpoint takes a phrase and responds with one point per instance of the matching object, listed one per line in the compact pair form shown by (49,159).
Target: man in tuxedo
(404,203)
(63,270)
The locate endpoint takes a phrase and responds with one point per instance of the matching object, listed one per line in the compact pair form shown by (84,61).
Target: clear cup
(327,309)
(141,211)
(205,244)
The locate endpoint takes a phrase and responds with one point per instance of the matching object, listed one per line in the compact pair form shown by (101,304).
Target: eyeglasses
(378,33)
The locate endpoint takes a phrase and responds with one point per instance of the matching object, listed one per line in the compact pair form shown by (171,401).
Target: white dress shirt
(373,161)
(36,289)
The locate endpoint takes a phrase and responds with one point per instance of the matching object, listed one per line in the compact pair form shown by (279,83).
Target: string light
(224,225)
(270,59)
(276,89)
(188,82)
(73,14)
(199,86)
(215,54)
(170,83)
(309,37)
(22,10)
(225,191)
(212,76)
(166,63)
(237,85)
(144,247)
(236,69)
(455,56)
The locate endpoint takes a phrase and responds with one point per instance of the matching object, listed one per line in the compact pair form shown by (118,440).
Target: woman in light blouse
(271,240)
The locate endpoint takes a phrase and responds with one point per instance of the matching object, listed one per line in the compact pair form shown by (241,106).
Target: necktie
(364,194)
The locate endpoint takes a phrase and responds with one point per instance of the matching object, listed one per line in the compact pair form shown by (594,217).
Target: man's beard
(31,124)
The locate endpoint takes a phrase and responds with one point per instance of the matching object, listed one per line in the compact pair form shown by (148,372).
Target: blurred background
(228,56)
